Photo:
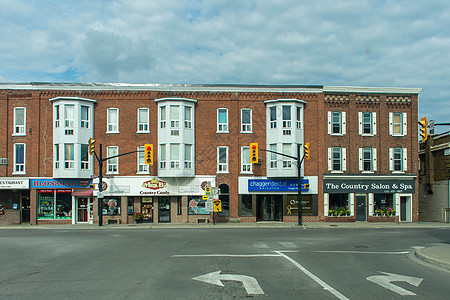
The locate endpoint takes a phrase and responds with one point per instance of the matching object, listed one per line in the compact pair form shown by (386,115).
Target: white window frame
(403,124)
(56,156)
(113,125)
(69,122)
(188,156)
(342,123)
(373,160)
(174,120)
(372,123)
(273,157)
(299,118)
(188,117)
(57,115)
(84,165)
(403,160)
(20,168)
(222,167)
(246,127)
(143,126)
(246,166)
(20,129)
(287,123)
(162,156)
(162,116)
(69,163)
(142,167)
(112,165)
(222,127)
(273,122)
(342,160)
(287,149)
(174,159)
(84,123)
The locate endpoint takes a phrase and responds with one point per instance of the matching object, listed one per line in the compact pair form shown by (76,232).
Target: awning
(82,192)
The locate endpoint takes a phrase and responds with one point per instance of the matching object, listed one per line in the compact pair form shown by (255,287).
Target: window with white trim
(174,156)
(69,116)
(188,117)
(246,120)
(367,159)
(287,119)
(142,168)
(20,121)
(367,123)
(174,120)
(398,159)
(287,149)
(273,117)
(246,166)
(273,156)
(84,157)
(69,156)
(188,156)
(143,120)
(112,163)
(19,158)
(222,120)
(299,117)
(336,122)
(222,159)
(162,156)
(56,116)
(56,156)
(113,120)
(84,116)
(162,117)
(337,159)
(397,124)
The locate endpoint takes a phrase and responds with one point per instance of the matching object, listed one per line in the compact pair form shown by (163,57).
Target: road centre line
(225,255)
(357,252)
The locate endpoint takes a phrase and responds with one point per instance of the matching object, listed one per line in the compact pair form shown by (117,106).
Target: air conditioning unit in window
(259,161)
(3,161)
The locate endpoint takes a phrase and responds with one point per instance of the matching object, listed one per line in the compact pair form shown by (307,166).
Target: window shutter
(329,160)
(391,159)
(374,159)
(360,159)
(405,159)
(374,123)
(360,122)
(391,123)
(343,123)
(344,159)
(405,132)
(325,203)
(329,122)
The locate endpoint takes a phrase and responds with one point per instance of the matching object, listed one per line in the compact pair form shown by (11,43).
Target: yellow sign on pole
(217,204)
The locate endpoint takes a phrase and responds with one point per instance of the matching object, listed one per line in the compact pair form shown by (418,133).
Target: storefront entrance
(269,208)
(25,206)
(405,208)
(360,201)
(147,209)
(163,210)
(84,210)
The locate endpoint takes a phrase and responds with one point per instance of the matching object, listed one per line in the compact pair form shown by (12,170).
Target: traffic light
(254,153)
(306,149)
(423,128)
(91,146)
(148,154)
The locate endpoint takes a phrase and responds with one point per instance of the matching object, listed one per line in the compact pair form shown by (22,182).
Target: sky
(371,43)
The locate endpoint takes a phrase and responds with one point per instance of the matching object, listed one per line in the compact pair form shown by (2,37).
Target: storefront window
(246,206)
(48,208)
(111,206)
(196,206)
(338,202)
(383,204)
(130,201)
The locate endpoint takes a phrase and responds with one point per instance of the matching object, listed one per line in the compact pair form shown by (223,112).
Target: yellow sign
(217,205)
(205,197)
(208,191)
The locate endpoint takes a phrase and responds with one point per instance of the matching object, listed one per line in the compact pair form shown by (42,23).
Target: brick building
(363,142)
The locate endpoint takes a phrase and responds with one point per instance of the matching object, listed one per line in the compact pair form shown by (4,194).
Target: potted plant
(330,212)
(137,217)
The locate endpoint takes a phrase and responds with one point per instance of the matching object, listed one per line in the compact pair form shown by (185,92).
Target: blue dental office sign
(277,185)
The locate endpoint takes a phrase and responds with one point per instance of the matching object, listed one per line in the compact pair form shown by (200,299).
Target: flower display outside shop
(384,211)
(339,211)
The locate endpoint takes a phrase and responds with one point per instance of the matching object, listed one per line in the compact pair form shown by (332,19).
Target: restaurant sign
(377,186)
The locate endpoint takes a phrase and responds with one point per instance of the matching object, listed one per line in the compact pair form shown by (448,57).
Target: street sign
(209,206)
(205,197)
(217,206)
(207,190)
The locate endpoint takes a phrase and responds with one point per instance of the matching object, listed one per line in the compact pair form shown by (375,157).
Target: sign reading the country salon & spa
(369,186)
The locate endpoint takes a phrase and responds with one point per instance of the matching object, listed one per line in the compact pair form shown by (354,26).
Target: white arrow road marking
(385,281)
(251,285)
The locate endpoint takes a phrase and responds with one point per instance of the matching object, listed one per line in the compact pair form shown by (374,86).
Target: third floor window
(113,120)
(143,120)
(19,121)
(246,120)
(222,120)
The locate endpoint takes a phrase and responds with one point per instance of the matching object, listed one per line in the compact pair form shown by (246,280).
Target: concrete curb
(436,255)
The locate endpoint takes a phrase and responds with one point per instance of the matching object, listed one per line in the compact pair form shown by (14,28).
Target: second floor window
(20,121)
(84,157)
(162,156)
(273,156)
(222,159)
(19,159)
(287,149)
(246,120)
(337,159)
(142,167)
(174,156)
(246,166)
(398,159)
(112,163)
(367,159)
(113,120)
(336,123)
(222,120)
(56,156)
(84,116)
(143,120)
(69,156)
(188,156)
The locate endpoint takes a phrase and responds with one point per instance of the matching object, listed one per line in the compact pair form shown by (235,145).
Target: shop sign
(277,185)
(60,183)
(14,183)
(154,184)
(376,186)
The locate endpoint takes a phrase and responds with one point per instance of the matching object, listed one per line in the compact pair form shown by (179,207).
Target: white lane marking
(385,281)
(251,285)
(224,255)
(361,252)
(314,277)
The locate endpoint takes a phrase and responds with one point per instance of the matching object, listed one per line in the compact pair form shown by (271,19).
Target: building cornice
(381,90)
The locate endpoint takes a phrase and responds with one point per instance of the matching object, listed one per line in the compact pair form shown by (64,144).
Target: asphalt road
(220,263)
